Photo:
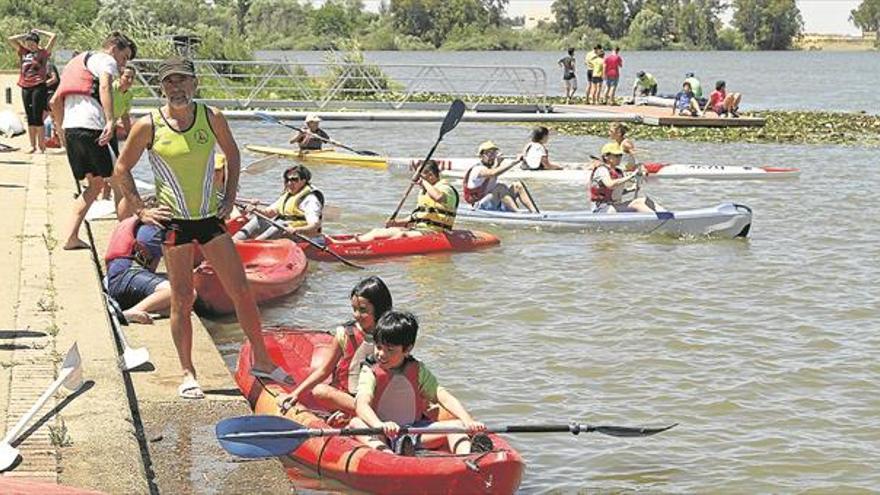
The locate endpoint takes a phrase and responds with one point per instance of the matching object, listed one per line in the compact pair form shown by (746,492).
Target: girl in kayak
(353,342)
(535,154)
(608,185)
(394,390)
(617,133)
(300,207)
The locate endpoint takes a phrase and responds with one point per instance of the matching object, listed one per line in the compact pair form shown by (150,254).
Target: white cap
(312,117)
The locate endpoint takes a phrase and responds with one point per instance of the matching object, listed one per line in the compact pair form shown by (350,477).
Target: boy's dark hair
(373,289)
(301,171)
(571,51)
(431,166)
(598,46)
(538,133)
(397,328)
(719,84)
(121,42)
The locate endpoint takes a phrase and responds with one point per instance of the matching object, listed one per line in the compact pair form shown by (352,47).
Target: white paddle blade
(73,364)
(8,456)
(261,165)
(135,358)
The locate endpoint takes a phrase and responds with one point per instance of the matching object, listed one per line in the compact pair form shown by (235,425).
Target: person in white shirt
(482,189)
(86,116)
(535,154)
(299,208)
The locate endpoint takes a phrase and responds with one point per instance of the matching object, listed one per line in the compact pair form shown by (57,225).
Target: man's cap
(640,73)
(177,65)
(612,149)
(312,117)
(486,146)
(149,239)
(219,161)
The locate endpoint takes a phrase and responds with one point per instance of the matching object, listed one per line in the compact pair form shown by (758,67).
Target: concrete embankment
(121,432)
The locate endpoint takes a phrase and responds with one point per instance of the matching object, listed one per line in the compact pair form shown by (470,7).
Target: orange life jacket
(77,79)
(122,240)
(599,193)
(353,341)
(411,373)
(472,195)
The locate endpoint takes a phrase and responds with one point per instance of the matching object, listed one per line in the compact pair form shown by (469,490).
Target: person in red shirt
(722,102)
(613,63)
(34,61)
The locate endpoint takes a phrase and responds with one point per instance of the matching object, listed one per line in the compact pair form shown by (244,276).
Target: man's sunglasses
(292,179)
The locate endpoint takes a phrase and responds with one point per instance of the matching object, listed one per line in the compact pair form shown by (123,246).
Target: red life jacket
(122,240)
(354,338)
(77,79)
(472,195)
(411,372)
(600,194)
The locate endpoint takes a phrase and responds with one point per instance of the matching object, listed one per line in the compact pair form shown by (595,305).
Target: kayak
(349,461)
(726,220)
(579,172)
(329,156)
(434,242)
(273,268)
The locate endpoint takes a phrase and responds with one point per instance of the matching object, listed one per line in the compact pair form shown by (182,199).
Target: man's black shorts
(180,232)
(84,154)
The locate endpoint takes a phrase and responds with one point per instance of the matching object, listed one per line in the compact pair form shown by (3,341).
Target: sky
(820,16)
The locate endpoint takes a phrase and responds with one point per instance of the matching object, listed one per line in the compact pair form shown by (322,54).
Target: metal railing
(285,84)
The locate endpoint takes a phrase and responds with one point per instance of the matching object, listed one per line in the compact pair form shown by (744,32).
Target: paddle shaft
(305,239)
(16,430)
(573,428)
(412,181)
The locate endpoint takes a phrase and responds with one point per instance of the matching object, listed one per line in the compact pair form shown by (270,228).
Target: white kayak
(579,172)
(725,220)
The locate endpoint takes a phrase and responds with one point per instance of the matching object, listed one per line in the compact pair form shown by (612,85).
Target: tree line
(232,29)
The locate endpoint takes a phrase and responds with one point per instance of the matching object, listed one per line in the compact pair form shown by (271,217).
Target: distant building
(535,13)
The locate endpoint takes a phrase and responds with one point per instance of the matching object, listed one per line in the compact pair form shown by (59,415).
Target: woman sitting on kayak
(300,207)
(386,401)
(353,342)
(435,210)
(535,154)
(608,185)
(617,133)
(311,137)
(483,191)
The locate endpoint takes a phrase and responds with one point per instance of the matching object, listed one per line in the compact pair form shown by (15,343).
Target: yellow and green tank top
(183,165)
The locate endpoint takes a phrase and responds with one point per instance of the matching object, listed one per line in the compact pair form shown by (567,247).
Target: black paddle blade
(453,117)
(626,431)
(259,436)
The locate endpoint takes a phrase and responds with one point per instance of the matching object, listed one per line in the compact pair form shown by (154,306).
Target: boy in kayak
(300,207)
(353,342)
(608,185)
(435,210)
(394,390)
(311,137)
(483,191)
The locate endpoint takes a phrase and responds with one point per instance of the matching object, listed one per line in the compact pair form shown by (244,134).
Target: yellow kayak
(324,156)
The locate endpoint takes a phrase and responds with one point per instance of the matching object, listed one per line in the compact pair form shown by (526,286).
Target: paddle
(272,120)
(453,117)
(70,376)
(529,194)
(269,436)
(131,358)
(303,238)
(261,165)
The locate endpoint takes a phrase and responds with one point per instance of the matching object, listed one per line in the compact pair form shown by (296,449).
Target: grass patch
(58,435)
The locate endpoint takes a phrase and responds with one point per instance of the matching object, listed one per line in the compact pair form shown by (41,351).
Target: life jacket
(77,79)
(397,397)
(434,214)
(122,240)
(292,215)
(344,376)
(472,195)
(599,193)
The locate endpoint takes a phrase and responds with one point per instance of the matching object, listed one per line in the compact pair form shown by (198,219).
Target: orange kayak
(273,268)
(349,461)
(434,242)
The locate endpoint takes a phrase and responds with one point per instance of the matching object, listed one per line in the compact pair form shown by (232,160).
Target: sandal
(190,389)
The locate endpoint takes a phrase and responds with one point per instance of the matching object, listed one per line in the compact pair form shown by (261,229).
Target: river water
(764,350)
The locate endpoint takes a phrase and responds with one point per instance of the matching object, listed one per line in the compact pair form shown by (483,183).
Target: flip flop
(277,375)
(190,389)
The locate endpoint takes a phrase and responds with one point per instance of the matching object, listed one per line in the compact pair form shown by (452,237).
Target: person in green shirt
(122,113)
(696,87)
(645,84)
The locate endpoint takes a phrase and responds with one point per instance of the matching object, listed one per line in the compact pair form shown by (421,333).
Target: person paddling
(483,191)
(181,137)
(535,153)
(608,185)
(310,137)
(352,343)
(395,389)
(299,208)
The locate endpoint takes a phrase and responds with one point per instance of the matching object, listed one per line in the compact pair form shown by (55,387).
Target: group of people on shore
(603,75)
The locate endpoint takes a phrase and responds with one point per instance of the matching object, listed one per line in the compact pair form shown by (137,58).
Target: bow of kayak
(432,242)
(349,461)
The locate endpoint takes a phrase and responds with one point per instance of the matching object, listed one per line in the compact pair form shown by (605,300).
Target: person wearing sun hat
(608,184)
(181,139)
(311,137)
(483,191)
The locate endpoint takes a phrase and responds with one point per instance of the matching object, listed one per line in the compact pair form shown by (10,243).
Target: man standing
(613,63)
(569,76)
(181,137)
(83,108)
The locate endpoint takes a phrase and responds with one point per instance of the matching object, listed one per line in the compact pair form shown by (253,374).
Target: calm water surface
(764,350)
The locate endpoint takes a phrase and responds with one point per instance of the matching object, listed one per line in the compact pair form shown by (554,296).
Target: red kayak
(349,461)
(435,242)
(273,268)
